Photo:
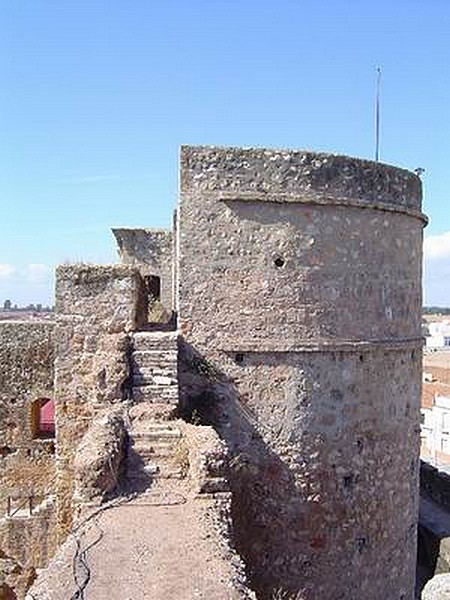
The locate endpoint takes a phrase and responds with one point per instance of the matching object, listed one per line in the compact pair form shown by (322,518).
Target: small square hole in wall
(279,261)
(239,358)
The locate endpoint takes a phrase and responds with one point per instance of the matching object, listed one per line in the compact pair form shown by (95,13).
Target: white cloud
(437,246)
(37,272)
(6,270)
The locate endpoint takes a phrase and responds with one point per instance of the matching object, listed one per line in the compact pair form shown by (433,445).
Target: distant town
(12,311)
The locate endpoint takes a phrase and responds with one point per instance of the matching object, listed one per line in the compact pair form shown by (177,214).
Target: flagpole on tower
(377,116)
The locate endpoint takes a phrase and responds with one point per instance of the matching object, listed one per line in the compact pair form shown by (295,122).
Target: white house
(435,427)
(439,335)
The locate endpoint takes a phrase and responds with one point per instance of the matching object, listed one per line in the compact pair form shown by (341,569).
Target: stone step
(153,438)
(143,413)
(157,444)
(139,469)
(214,485)
(155,394)
(139,459)
(155,432)
(146,477)
(159,471)
(151,454)
(153,358)
(170,370)
(221,496)
(146,377)
(164,446)
(162,370)
(155,340)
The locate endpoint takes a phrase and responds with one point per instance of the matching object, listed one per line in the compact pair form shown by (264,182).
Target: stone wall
(26,374)
(27,464)
(300,304)
(27,544)
(207,456)
(151,251)
(96,306)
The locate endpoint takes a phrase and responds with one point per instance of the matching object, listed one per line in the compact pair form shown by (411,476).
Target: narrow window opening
(153,283)
(239,358)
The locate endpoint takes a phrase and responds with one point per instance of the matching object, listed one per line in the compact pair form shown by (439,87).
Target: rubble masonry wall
(151,250)
(300,289)
(96,306)
(27,464)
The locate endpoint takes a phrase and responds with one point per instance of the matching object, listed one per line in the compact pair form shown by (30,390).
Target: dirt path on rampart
(158,546)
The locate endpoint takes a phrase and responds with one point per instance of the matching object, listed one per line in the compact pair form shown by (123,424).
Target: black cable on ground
(80,560)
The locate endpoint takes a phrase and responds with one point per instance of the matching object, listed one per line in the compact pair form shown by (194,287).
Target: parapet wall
(96,307)
(297,176)
(300,290)
(151,251)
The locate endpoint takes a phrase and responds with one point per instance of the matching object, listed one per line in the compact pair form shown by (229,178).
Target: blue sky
(97,95)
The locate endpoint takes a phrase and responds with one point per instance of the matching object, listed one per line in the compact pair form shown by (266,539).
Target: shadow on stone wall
(435,484)
(433,555)
(267,515)
(427,556)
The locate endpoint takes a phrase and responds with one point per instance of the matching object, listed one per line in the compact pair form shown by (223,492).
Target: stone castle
(261,362)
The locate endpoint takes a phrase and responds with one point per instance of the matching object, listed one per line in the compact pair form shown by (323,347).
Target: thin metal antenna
(377,117)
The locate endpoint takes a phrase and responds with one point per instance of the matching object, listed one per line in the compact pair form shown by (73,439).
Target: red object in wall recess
(47,418)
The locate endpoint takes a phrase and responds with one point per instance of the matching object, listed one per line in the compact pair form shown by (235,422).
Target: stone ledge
(260,346)
(325,200)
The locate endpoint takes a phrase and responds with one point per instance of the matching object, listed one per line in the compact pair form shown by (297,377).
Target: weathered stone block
(437,588)
(98,457)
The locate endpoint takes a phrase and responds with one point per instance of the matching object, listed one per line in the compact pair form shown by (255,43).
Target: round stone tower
(299,300)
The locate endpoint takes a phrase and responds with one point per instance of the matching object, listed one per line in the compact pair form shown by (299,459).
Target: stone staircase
(154,367)
(155,451)
(155,443)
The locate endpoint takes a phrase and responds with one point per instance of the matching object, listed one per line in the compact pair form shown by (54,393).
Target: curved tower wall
(300,286)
